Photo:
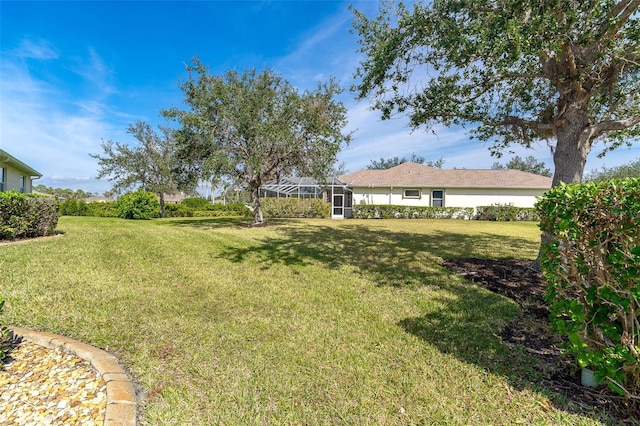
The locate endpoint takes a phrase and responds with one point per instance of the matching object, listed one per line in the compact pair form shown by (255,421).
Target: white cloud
(40,49)
(48,129)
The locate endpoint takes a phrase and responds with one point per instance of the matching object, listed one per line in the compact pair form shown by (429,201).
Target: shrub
(26,216)
(506,213)
(233,209)
(195,203)
(178,210)
(138,205)
(373,211)
(592,267)
(5,336)
(295,207)
(101,209)
(73,207)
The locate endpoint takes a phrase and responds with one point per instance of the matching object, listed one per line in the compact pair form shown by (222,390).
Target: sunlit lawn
(305,322)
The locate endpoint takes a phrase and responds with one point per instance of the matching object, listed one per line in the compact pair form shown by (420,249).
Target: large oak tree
(564,71)
(254,127)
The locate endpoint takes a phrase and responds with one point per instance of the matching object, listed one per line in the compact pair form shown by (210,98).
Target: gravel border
(121,407)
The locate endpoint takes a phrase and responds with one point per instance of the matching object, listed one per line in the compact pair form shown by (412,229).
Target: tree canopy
(629,170)
(254,127)
(68,194)
(148,165)
(564,71)
(529,164)
(387,163)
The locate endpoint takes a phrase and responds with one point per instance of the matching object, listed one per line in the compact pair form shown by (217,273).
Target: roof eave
(10,160)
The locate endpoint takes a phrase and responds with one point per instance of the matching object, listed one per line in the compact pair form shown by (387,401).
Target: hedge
(376,211)
(295,208)
(591,262)
(26,216)
(507,213)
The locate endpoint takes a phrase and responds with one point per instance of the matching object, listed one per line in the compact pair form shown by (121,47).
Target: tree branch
(624,10)
(612,125)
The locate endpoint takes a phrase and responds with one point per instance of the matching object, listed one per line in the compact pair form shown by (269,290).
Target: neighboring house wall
(15,175)
(452,197)
(474,197)
(411,184)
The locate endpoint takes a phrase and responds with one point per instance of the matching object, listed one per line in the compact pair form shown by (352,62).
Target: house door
(337,206)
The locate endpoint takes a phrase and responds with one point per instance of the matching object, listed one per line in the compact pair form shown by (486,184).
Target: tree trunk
(163,213)
(257,207)
(573,145)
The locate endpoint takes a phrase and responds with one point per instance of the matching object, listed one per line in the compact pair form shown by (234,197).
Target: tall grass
(313,322)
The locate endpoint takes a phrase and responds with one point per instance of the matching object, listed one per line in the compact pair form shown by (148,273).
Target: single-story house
(14,174)
(413,184)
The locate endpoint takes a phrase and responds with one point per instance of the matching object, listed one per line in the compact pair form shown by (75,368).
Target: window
(437,198)
(411,193)
(22,184)
(3,175)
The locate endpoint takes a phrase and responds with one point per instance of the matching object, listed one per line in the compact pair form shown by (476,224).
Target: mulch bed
(559,374)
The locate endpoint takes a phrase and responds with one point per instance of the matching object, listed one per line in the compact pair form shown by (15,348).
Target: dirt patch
(559,374)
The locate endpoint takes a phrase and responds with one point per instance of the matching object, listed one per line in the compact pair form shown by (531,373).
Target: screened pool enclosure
(332,191)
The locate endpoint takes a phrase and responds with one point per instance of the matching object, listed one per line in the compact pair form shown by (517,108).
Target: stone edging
(121,397)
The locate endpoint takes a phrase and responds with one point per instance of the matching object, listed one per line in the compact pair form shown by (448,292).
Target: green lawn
(307,322)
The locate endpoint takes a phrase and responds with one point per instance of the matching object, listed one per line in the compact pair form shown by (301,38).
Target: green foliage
(178,210)
(73,207)
(629,170)
(63,193)
(373,211)
(388,163)
(26,216)
(295,207)
(232,209)
(150,164)
(529,164)
(506,213)
(101,209)
(94,208)
(254,126)
(517,72)
(138,205)
(195,203)
(5,335)
(592,267)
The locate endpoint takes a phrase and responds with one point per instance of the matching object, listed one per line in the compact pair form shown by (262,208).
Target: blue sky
(73,74)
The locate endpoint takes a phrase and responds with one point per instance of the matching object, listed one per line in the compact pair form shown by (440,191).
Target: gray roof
(418,175)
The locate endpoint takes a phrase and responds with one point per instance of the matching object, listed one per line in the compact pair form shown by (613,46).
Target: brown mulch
(559,373)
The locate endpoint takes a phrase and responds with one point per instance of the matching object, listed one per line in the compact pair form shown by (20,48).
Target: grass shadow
(468,329)
(204,223)
(390,258)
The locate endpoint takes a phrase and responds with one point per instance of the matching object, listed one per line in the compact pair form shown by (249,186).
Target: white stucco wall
(453,197)
(12,179)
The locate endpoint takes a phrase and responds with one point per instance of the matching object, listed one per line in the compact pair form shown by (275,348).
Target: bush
(138,205)
(592,267)
(73,207)
(233,209)
(178,210)
(373,211)
(506,213)
(101,209)
(5,336)
(295,207)
(26,216)
(195,203)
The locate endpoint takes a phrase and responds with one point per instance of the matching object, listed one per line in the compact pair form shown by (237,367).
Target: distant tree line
(387,163)
(64,193)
